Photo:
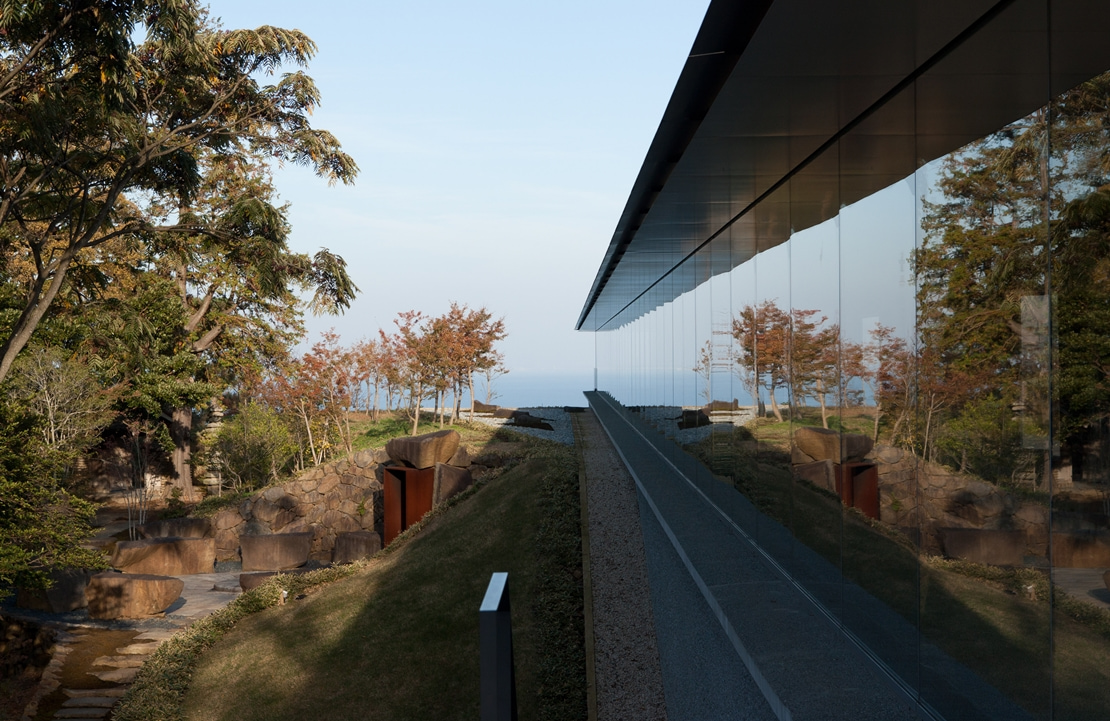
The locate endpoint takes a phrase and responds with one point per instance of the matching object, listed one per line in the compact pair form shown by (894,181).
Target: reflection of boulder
(166,556)
(176,528)
(997,548)
(66,592)
(424,451)
(1081,549)
(503,413)
(125,595)
(693,419)
(527,420)
(822,444)
(722,406)
(449,481)
(275,552)
(820,473)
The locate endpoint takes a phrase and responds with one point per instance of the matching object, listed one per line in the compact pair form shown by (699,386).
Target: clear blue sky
(497,141)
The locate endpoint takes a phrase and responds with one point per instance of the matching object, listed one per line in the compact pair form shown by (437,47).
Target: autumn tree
(761,334)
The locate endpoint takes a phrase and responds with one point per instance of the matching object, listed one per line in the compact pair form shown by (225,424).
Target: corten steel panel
(406,497)
(858,486)
(770,86)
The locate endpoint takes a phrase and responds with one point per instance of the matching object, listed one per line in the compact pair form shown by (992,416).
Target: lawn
(399,639)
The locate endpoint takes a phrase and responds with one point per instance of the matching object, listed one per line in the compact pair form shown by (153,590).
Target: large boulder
(693,419)
(66,592)
(1081,549)
(820,473)
(480,407)
(176,528)
(524,419)
(449,480)
(275,552)
(355,545)
(822,444)
(166,556)
(127,595)
(424,451)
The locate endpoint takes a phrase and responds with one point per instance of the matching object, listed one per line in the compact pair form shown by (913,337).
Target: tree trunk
(775,406)
(181,431)
(470,377)
(821,401)
(417,396)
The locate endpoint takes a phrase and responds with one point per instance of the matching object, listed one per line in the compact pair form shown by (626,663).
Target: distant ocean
(527,390)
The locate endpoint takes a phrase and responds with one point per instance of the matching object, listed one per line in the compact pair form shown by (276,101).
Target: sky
(497,144)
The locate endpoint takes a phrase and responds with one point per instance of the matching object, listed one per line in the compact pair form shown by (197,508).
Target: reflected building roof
(788,110)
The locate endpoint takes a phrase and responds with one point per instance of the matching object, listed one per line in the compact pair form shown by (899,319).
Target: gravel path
(628,677)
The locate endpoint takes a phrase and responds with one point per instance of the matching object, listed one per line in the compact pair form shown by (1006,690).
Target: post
(495,629)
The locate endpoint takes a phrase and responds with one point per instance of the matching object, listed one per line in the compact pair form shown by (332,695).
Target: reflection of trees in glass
(981,269)
(762,339)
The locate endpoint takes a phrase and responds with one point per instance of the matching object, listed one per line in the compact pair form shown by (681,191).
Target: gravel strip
(557,418)
(629,680)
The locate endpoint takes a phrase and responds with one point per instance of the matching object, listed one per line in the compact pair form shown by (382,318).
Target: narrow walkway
(626,659)
(651,624)
(801,664)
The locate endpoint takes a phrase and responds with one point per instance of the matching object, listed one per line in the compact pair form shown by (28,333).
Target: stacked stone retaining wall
(326,501)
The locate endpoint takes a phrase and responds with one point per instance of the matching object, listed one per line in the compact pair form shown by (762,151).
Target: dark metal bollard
(495,629)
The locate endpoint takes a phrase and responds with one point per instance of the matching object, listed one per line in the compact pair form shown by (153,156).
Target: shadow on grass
(400,640)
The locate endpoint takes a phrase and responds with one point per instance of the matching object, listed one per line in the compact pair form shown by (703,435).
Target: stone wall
(326,500)
(948,499)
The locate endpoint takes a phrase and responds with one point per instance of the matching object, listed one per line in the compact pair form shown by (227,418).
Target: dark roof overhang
(771,86)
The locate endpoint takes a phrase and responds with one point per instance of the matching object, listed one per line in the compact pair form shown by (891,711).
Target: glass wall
(918,388)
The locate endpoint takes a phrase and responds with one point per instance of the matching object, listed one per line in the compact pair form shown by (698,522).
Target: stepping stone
(140,649)
(95,692)
(91,702)
(119,661)
(157,634)
(116,675)
(82,713)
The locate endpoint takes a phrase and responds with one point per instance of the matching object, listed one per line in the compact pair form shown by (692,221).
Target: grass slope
(399,640)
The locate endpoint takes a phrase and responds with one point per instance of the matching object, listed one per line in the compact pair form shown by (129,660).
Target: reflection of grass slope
(369,434)
(400,640)
(981,616)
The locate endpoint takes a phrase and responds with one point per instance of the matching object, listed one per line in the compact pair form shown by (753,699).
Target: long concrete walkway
(736,639)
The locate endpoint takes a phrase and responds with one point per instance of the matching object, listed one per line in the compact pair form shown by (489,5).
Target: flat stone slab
(91,702)
(126,661)
(140,649)
(276,552)
(156,634)
(79,713)
(116,675)
(424,451)
(166,556)
(113,693)
(125,595)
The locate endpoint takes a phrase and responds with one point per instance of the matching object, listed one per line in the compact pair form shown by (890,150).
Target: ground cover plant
(397,637)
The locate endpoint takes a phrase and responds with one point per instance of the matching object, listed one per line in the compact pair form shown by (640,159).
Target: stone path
(113,672)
